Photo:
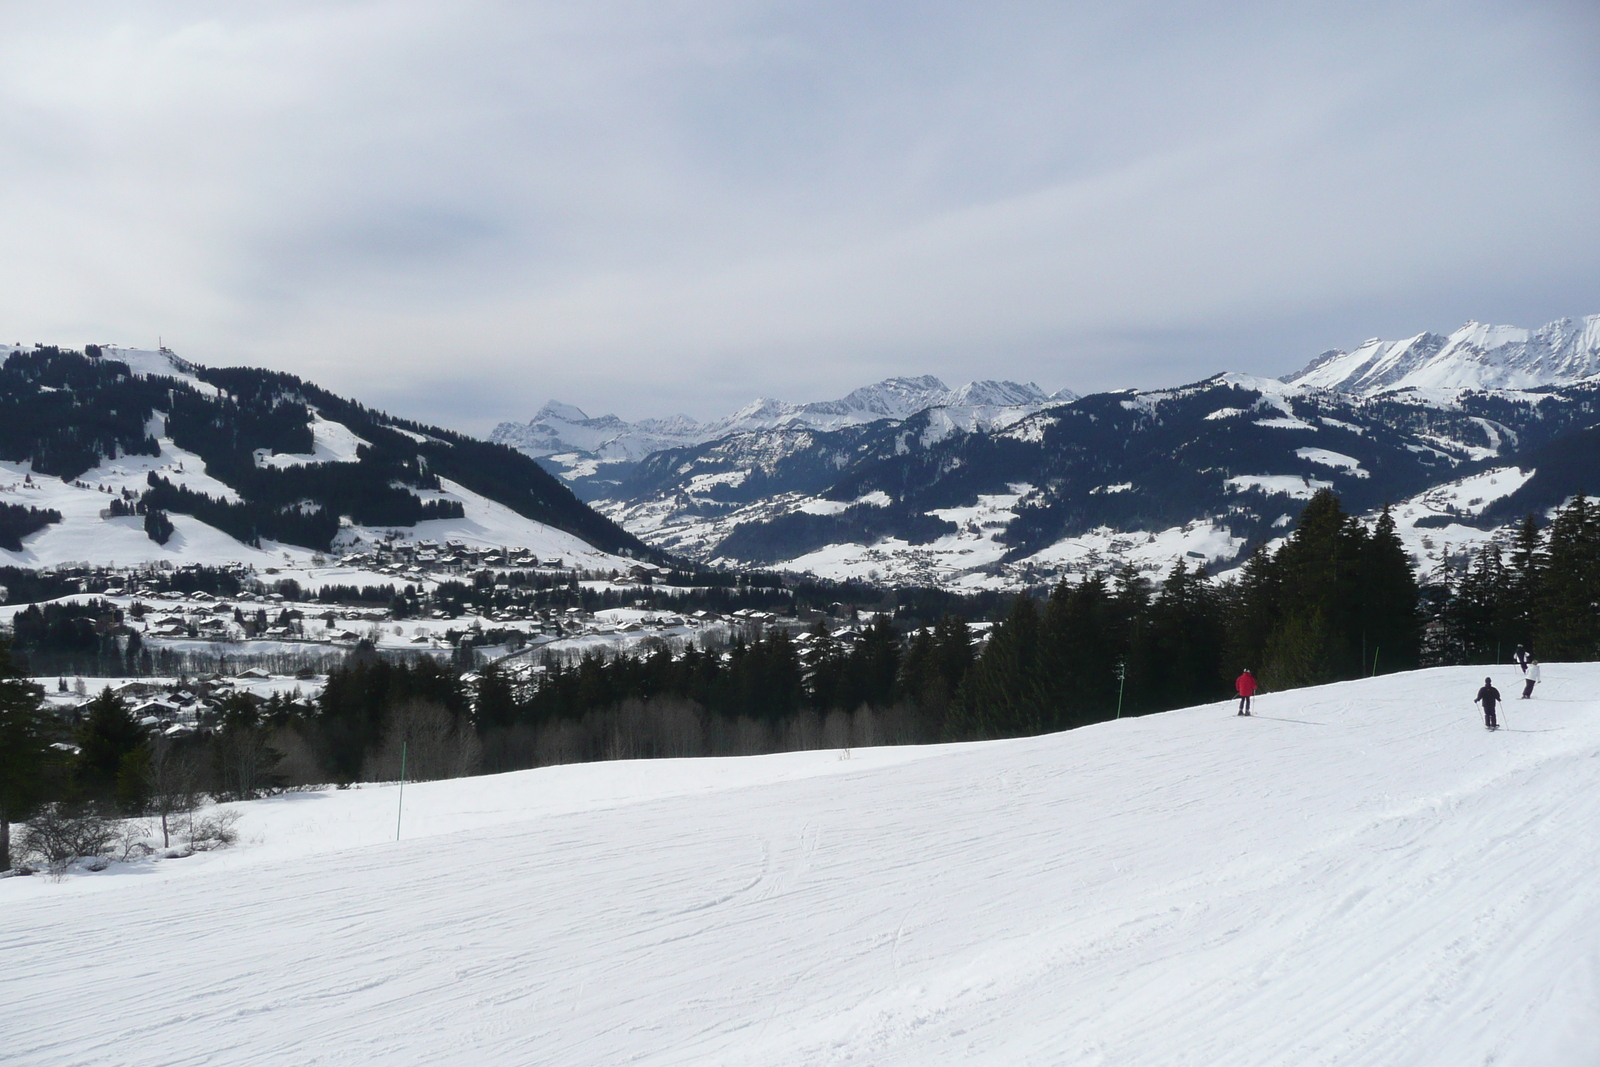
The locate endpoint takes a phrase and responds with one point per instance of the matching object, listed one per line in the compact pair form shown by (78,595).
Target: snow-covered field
(1360,874)
(966,560)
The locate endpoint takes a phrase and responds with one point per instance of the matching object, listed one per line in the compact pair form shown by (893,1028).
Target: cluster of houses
(268,617)
(172,707)
(407,558)
(252,616)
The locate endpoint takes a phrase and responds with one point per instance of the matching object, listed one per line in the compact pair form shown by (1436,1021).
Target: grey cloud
(675,206)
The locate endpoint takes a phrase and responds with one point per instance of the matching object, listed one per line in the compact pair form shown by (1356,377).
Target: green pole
(1122,680)
(1375,651)
(400,807)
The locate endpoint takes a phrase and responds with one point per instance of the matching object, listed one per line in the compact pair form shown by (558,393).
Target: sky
(456,211)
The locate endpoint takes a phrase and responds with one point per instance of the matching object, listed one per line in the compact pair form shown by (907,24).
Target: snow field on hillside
(1359,874)
(83,535)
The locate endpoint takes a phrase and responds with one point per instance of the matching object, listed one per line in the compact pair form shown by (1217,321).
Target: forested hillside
(63,412)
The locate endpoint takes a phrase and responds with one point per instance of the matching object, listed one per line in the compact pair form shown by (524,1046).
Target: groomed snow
(1358,875)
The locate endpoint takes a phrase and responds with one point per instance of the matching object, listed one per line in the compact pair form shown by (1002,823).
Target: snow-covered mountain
(131,457)
(560,428)
(1474,357)
(1359,874)
(594,454)
(1202,472)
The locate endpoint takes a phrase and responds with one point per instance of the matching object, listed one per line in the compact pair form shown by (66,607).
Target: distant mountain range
(596,455)
(989,485)
(998,484)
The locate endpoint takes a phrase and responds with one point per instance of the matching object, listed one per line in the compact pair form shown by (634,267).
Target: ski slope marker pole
(1375,650)
(401,806)
(1122,680)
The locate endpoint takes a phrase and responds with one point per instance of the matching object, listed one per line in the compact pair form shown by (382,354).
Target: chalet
(156,709)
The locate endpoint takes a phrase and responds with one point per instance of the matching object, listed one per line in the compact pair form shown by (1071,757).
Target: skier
(1488,696)
(1532,679)
(1245,686)
(1520,658)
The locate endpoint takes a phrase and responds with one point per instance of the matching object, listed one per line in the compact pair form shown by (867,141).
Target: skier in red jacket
(1245,686)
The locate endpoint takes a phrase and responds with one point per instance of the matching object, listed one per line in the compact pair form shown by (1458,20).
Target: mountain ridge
(1475,356)
(252,457)
(578,447)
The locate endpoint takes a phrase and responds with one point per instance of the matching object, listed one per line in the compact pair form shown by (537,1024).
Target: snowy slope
(1474,357)
(83,535)
(488,524)
(87,535)
(1359,875)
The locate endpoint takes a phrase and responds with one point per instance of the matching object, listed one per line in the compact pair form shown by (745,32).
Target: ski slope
(1360,874)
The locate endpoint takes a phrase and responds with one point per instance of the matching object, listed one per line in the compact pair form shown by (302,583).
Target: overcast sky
(456,210)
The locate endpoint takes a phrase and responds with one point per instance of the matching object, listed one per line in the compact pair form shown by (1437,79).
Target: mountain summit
(594,454)
(1474,357)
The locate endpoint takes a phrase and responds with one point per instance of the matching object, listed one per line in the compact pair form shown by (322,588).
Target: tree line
(1543,595)
(1337,599)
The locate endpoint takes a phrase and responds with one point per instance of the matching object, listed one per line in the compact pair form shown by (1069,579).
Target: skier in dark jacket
(1245,686)
(1488,696)
(1521,657)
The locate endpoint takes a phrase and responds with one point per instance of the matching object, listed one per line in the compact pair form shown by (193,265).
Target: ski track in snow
(1360,874)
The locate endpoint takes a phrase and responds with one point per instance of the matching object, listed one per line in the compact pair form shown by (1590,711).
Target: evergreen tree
(1004,694)
(1321,602)
(1527,573)
(1391,626)
(496,704)
(1477,611)
(827,685)
(1253,606)
(1569,602)
(244,762)
(1186,640)
(1130,638)
(1084,641)
(935,665)
(876,665)
(1442,642)
(108,734)
(23,749)
(1297,653)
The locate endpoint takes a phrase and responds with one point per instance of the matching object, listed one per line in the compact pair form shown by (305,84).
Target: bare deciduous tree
(436,745)
(172,777)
